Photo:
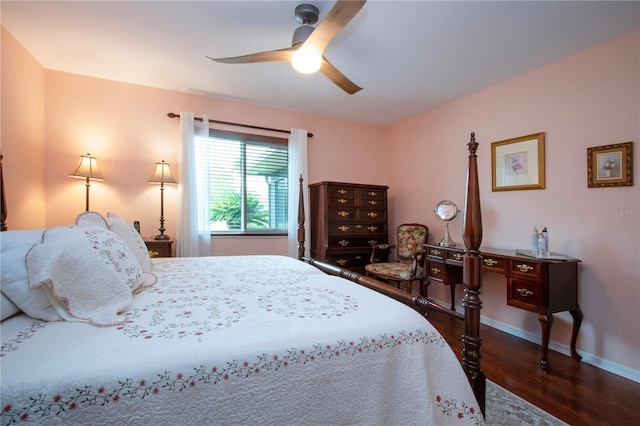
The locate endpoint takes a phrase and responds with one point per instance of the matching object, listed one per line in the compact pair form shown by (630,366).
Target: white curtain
(297,168)
(193,234)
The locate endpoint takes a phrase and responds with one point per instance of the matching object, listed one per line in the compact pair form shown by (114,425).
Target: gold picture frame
(518,163)
(610,165)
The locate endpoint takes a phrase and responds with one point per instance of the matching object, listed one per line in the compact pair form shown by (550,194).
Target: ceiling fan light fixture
(306,61)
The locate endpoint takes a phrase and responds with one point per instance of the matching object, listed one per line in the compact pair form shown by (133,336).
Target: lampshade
(162,174)
(306,60)
(87,168)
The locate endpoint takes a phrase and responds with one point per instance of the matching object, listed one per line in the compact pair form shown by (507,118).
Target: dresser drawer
(523,294)
(352,260)
(372,214)
(341,202)
(373,204)
(524,268)
(352,241)
(372,194)
(352,228)
(342,214)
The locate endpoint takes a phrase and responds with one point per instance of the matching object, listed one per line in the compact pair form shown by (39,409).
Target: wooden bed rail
(472,278)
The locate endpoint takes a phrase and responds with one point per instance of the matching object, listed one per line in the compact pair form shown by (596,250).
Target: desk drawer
(523,268)
(523,294)
(495,264)
(436,271)
(436,252)
(456,256)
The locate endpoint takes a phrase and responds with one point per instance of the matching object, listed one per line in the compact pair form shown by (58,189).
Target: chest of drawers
(346,219)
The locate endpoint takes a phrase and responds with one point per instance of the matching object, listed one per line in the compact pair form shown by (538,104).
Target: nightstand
(159,248)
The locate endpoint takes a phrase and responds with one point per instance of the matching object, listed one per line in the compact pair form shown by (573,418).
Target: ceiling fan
(308,43)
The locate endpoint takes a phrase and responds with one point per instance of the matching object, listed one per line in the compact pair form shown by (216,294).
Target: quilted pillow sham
(87,271)
(131,238)
(34,302)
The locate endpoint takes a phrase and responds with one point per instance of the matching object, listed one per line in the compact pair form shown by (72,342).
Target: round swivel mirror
(446,211)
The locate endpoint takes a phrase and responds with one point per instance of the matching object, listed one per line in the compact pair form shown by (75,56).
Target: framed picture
(610,165)
(518,163)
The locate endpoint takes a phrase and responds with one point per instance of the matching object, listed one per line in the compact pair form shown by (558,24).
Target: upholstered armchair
(409,258)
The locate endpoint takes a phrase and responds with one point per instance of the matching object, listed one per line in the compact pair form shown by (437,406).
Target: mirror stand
(446,241)
(447,212)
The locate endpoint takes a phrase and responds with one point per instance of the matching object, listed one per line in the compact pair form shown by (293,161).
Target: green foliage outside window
(229,210)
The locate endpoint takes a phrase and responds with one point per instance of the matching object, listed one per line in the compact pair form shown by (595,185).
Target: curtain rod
(172,115)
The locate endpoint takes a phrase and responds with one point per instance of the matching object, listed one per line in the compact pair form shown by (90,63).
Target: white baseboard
(587,358)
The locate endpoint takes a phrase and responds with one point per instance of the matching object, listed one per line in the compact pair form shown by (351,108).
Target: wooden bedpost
(472,279)
(301,230)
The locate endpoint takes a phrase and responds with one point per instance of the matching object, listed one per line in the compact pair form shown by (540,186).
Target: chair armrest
(417,256)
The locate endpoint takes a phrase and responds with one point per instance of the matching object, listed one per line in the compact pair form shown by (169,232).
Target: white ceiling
(408,56)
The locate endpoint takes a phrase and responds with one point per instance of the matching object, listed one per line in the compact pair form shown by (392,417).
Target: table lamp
(162,175)
(87,169)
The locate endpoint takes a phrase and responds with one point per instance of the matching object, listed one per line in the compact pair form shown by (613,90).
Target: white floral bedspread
(237,340)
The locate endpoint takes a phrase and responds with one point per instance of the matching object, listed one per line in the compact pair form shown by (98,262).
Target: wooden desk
(537,285)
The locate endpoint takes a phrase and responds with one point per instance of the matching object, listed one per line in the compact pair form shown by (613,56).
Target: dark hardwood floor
(575,392)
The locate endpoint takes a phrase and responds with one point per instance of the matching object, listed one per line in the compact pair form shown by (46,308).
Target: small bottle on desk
(542,252)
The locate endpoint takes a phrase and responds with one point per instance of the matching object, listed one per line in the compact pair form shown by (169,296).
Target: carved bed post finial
(472,279)
(301,229)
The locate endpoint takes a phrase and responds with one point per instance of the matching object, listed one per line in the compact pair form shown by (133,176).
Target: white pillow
(131,238)
(35,302)
(87,271)
(7,307)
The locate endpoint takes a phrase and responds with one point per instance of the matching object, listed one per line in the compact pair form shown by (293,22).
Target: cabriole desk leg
(577,321)
(546,320)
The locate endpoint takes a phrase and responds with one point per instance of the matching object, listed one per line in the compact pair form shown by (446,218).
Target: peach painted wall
(22,135)
(589,99)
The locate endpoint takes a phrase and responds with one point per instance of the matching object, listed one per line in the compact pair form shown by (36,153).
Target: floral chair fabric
(409,257)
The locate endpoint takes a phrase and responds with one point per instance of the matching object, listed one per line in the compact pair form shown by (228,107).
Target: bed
(223,339)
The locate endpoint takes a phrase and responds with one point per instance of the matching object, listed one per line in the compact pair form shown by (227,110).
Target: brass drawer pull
(490,262)
(358,257)
(343,228)
(524,292)
(435,271)
(373,193)
(342,200)
(153,253)
(524,267)
(435,252)
(457,256)
(342,191)
(373,202)
(343,213)
(372,228)
(372,214)
(373,242)
(341,262)
(343,243)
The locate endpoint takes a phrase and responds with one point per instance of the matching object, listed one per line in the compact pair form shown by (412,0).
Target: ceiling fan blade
(280,55)
(337,18)
(333,74)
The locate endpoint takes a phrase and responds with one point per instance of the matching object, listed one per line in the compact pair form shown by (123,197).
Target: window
(248,182)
